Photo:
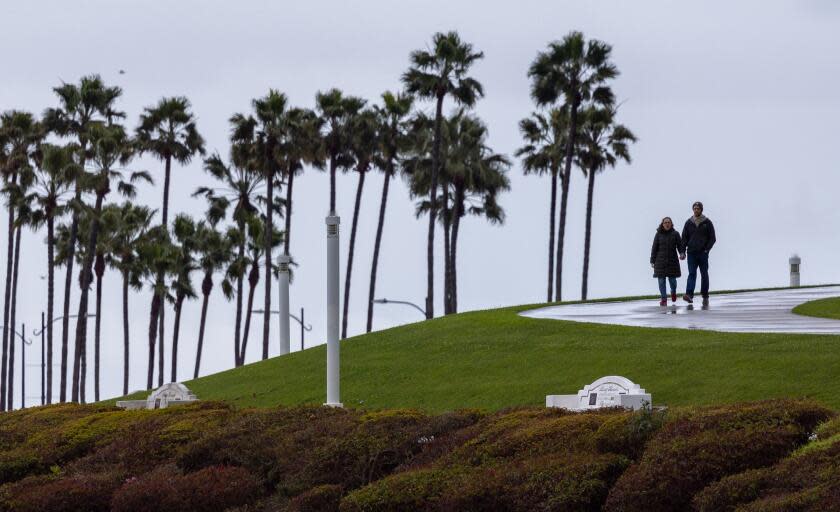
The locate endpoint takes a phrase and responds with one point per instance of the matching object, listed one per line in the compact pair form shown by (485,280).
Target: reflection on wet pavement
(766,311)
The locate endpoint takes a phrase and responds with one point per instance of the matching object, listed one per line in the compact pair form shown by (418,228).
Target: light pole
(333,360)
(283,304)
(403,302)
(303,327)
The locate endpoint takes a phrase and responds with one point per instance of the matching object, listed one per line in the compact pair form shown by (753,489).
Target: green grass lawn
(494,359)
(823,308)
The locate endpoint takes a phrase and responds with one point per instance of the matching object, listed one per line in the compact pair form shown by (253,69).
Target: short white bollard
(333,360)
(795,261)
(284,261)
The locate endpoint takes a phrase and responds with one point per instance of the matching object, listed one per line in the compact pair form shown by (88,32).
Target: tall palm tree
(364,147)
(240,185)
(543,153)
(214,252)
(55,174)
(132,224)
(574,71)
(19,135)
(184,231)
(603,144)
(266,135)
(255,237)
(393,143)
(335,110)
(168,132)
(435,74)
(156,254)
(81,105)
(110,147)
(303,147)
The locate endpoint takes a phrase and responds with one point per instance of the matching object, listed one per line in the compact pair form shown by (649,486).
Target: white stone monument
(173,393)
(795,261)
(611,391)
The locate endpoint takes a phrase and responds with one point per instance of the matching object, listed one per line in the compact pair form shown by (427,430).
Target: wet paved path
(767,311)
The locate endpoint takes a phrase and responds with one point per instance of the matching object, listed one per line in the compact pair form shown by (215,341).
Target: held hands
(682,256)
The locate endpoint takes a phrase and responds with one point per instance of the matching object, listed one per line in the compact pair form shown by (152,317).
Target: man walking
(699,237)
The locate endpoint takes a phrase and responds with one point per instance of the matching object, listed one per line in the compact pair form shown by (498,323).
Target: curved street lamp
(403,302)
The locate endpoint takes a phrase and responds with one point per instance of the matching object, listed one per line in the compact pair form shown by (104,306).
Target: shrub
(323,498)
(692,451)
(88,492)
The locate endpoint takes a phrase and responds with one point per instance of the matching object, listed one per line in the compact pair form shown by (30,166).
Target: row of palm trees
(62,170)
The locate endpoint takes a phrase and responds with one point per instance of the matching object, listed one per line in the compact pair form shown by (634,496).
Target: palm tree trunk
(161,324)
(253,279)
(349,272)
(206,288)
(239,292)
(100,272)
(176,328)
(377,244)
(446,213)
(288,232)
(10,256)
(125,330)
(430,242)
(68,287)
(50,301)
(81,319)
(551,222)
(269,228)
(153,327)
(456,229)
(564,200)
(10,400)
(588,238)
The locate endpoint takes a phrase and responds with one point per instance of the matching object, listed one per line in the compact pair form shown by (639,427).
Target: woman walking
(667,250)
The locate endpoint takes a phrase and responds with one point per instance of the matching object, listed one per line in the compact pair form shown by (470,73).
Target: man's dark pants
(698,260)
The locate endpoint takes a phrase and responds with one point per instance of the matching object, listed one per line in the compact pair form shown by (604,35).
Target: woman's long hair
(661,228)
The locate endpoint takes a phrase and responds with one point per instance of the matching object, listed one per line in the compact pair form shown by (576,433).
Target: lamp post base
(336,405)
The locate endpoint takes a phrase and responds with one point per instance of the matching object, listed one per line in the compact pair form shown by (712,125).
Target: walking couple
(698,238)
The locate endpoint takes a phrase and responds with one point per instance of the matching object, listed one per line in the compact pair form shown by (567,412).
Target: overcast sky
(734,104)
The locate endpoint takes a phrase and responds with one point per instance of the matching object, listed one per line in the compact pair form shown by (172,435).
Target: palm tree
(184,230)
(435,75)
(132,224)
(364,146)
(255,237)
(155,253)
(265,134)
(603,144)
(575,70)
(214,250)
(335,111)
(55,174)
(393,143)
(303,147)
(543,152)
(240,185)
(19,135)
(80,106)
(110,148)
(168,131)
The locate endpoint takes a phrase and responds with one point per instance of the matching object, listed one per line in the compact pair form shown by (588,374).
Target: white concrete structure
(173,393)
(333,369)
(794,261)
(611,391)
(284,261)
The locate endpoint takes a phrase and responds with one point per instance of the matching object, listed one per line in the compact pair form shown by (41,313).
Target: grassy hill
(494,359)
(823,308)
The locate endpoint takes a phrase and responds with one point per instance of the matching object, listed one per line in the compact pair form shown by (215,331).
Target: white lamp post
(333,392)
(284,261)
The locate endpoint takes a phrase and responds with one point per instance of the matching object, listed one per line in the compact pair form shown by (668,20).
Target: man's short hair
(697,203)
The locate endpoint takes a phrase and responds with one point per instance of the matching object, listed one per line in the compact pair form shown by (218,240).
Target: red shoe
(688,298)
(673,296)
(663,302)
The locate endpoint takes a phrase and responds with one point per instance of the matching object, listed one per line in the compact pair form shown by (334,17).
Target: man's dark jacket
(698,239)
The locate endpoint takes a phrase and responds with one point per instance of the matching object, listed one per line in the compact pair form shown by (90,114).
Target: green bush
(88,492)
(323,498)
(694,450)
